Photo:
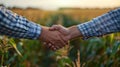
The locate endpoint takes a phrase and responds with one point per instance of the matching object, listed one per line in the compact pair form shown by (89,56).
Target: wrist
(43,30)
(74,32)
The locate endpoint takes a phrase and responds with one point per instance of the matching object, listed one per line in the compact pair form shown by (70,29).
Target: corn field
(93,52)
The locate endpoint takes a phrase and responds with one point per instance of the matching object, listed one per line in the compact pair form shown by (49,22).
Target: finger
(54,27)
(56,48)
(61,29)
(55,45)
(61,43)
(53,48)
(64,39)
(46,44)
(50,45)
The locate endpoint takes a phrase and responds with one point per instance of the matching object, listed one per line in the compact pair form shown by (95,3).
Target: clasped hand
(57,36)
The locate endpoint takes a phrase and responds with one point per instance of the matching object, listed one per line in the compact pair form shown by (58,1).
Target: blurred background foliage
(93,52)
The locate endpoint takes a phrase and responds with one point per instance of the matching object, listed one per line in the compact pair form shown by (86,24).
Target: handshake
(57,36)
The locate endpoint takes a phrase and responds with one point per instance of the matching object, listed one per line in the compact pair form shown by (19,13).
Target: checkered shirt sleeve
(101,25)
(16,26)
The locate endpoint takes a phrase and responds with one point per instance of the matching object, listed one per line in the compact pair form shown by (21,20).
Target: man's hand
(69,33)
(52,39)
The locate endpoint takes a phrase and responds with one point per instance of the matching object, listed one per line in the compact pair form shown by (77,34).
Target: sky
(56,4)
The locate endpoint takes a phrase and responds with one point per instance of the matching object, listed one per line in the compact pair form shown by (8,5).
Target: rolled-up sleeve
(101,25)
(16,26)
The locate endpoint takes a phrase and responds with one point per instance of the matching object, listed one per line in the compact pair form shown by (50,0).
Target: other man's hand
(69,33)
(52,39)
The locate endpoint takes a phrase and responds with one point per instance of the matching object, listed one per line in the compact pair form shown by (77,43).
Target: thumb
(61,29)
(54,27)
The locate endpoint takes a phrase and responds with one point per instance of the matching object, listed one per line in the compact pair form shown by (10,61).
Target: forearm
(105,24)
(74,32)
(16,26)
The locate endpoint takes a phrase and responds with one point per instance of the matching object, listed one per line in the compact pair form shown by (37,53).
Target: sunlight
(65,2)
(55,4)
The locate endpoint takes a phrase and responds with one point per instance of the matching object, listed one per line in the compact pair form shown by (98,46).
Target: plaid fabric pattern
(16,26)
(105,24)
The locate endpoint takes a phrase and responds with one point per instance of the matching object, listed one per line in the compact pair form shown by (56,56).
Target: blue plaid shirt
(17,26)
(101,25)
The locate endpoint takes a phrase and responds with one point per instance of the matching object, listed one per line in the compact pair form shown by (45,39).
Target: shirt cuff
(34,31)
(82,29)
(88,29)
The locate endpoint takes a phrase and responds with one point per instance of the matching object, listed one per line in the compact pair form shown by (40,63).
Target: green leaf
(15,47)
(115,48)
(63,62)
(73,54)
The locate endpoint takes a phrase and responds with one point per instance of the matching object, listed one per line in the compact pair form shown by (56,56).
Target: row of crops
(94,52)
